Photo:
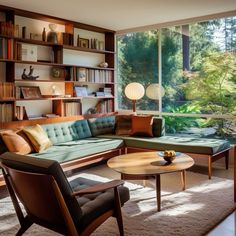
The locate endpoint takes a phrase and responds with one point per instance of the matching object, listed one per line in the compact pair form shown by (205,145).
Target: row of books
(7,90)
(8,28)
(21,113)
(6,112)
(72,109)
(6,48)
(91,75)
(105,106)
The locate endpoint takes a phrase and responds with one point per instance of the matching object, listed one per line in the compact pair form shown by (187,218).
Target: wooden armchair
(50,200)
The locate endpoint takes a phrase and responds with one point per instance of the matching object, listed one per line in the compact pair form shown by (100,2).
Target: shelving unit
(69,58)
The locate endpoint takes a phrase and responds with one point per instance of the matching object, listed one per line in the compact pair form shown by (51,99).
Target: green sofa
(82,142)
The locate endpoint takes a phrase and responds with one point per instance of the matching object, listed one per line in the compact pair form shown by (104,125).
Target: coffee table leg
(183,179)
(158,192)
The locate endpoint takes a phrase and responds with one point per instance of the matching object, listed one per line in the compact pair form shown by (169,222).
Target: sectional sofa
(82,142)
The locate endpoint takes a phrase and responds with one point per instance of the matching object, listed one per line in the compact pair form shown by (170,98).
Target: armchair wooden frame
(34,190)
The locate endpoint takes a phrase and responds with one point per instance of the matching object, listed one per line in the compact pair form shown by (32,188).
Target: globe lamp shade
(134,91)
(153,90)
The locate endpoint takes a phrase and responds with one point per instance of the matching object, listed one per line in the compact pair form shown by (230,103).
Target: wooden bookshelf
(12,62)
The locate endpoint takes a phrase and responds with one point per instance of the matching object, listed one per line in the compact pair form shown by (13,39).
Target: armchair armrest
(99,187)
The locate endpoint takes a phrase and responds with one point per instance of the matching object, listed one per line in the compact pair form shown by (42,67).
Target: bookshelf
(73,61)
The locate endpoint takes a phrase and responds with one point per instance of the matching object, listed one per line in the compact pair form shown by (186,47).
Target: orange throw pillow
(142,126)
(16,143)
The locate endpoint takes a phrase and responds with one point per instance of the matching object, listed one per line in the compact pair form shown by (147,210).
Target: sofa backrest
(49,167)
(158,127)
(102,125)
(67,131)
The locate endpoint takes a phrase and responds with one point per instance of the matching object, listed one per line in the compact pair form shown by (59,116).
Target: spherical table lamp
(153,90)
(134,91)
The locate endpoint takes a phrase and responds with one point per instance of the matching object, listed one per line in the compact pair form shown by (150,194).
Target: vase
(52,34)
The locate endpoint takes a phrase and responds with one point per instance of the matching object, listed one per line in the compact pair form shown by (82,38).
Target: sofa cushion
(43,166)
(16,143)
(142,126)
(158,126)
(102,125)
(186,144)
(67,131)
(38,137)
(123,124)
(94,205)
(76,149)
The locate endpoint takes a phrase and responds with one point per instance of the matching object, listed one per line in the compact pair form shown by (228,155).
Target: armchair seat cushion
(94,205)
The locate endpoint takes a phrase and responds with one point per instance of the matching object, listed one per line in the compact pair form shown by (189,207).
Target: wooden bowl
(169,159)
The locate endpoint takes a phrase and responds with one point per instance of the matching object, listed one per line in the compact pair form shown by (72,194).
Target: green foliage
(213,88)
(176,124)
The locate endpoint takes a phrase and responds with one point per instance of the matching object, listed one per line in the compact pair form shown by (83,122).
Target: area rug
(194,211)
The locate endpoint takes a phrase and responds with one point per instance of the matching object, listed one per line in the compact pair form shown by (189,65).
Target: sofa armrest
(99,188)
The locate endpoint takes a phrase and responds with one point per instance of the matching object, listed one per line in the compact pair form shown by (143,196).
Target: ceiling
(124,14)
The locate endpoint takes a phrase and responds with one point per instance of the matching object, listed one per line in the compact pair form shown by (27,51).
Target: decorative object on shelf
(52,34)
(55,92)
(57,72)
(134,91)
(30,76)
(101,45)
(35,36)
(24,32)
(31,92)
(44,35)
(28,52)
(68,39)
(81,74)
(103,64)
(83,43)
(78,40)
(16,31)
(81,91)
(153,91)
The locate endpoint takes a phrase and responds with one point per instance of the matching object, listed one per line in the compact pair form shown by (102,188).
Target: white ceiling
(124,14)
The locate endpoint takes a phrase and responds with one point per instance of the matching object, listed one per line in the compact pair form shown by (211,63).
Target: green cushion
(42,166)
(187,144)
(68,151)
(158,127)
(67,131)
(102,125)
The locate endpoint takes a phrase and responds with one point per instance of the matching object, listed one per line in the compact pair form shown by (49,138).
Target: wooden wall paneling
(58,107)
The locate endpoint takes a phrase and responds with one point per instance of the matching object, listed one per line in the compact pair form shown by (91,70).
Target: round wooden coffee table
(145,165)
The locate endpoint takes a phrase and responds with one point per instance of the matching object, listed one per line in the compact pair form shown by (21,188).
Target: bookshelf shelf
(56,56)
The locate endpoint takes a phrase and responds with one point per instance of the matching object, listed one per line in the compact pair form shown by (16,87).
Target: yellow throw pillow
(16,143)
(38,137)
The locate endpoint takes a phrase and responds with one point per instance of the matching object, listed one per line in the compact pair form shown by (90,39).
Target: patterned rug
(194,211)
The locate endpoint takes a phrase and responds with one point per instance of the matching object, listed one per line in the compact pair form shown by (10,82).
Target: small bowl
(169,159)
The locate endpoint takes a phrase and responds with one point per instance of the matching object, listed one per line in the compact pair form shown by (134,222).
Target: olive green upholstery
(187,144)
(158,127)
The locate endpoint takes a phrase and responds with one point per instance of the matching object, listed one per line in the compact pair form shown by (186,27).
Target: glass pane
(137,62)
(198,63)
(201,127)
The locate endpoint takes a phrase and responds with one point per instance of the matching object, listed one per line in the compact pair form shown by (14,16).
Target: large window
(137,61)
(198,73)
